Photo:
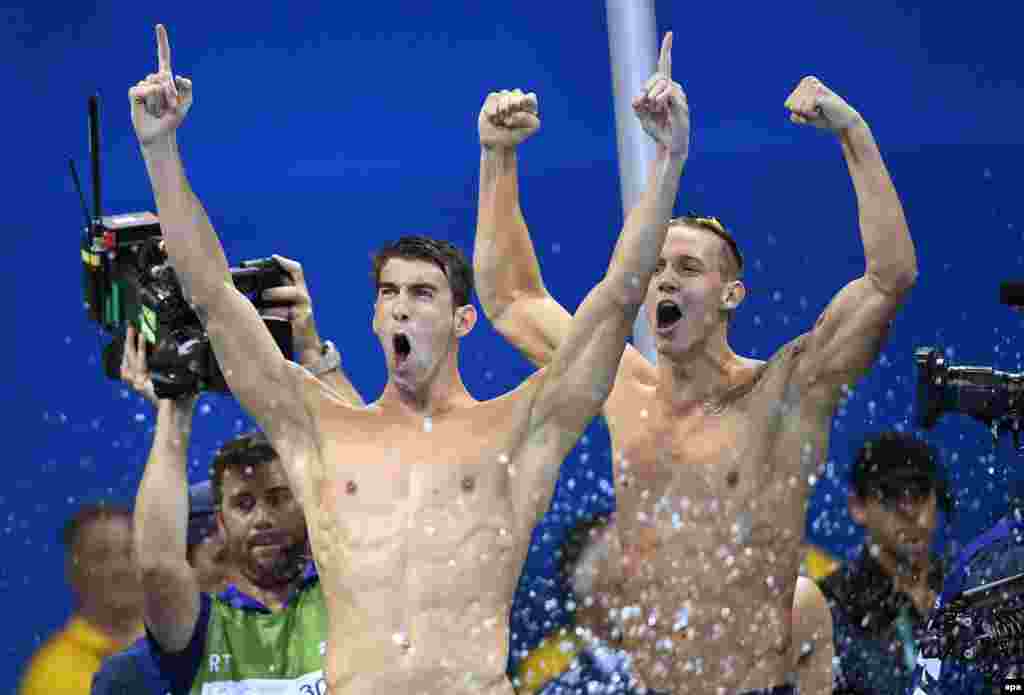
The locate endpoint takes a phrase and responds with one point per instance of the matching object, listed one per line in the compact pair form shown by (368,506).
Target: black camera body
(990,396)
(984,626)
(994,398)
(127,279)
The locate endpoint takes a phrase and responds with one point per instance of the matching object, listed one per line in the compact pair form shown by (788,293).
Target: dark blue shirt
(874,627)
(131,672)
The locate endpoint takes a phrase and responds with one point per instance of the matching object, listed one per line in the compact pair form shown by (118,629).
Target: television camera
(127,280)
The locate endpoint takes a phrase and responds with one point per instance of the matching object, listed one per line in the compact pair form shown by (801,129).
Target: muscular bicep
(535,325)
(847,337)
(584,367)
(256,371)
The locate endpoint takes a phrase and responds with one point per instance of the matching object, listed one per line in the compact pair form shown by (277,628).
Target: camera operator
(996,554)
(880,599)
(246,468)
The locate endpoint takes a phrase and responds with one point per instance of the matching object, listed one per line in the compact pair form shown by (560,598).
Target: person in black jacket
(881,598)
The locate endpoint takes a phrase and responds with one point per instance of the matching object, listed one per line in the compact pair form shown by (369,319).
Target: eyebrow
(421,284)
(683,257)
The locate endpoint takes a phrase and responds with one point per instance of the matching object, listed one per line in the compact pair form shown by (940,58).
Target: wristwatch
(330,359)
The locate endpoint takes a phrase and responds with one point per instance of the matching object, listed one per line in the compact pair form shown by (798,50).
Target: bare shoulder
(312,406)
(636,370)
(310,392)
(519,400)
(635,381)
(788,356)
(780,368)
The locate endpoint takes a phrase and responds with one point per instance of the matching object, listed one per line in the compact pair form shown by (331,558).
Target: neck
(273,595)
(439,393)
(906,573)
(701,374)
(123,626)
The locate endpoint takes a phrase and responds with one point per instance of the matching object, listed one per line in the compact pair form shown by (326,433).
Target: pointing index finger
(665,59)
(163,49)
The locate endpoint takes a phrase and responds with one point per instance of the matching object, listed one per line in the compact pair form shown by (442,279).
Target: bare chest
(717,493)
(384,484)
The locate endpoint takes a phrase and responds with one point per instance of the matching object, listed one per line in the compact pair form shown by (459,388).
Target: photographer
(996,554)
(880,599)
(259,527)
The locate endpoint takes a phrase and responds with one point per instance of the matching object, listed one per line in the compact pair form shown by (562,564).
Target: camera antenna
(94,156)
(81,195)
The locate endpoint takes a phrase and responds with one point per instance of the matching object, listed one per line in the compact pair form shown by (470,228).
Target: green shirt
(239,646)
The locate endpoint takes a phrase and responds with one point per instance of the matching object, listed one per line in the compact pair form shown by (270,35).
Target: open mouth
(267,539)
(402,348)
(668,314)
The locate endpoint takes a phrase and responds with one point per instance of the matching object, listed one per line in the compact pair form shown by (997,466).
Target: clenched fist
(815,104)
(507,118)
(662,107)
(159,102)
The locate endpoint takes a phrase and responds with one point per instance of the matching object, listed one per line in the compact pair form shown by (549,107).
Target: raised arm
(849,334)
(583,368)
(505,267)
(258,374)
(171,589)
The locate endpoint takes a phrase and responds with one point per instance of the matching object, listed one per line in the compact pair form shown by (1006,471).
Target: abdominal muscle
(417,607)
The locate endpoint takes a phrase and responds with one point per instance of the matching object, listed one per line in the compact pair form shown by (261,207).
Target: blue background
(320,131)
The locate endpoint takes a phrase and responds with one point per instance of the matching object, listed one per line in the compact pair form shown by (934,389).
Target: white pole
(633,41)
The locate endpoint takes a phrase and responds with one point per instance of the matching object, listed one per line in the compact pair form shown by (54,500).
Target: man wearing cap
(881,598)
(134,671)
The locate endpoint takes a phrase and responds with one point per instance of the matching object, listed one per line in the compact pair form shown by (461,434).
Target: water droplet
(682,619)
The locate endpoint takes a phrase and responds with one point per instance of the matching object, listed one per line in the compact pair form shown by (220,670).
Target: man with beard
(713,451)
(270,623)
(135,670)
(420,506)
